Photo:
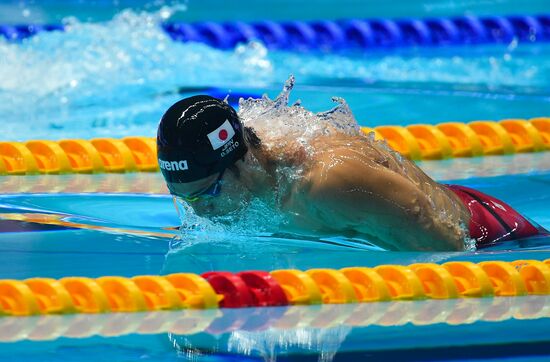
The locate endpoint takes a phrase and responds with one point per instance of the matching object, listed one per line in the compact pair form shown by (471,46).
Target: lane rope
(416,142)
(211,290)
(334,35)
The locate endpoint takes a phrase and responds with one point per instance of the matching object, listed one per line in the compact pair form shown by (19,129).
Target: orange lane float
(416,142)
(451,280)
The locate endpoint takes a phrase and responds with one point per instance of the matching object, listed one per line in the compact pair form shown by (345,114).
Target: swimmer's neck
(252,174)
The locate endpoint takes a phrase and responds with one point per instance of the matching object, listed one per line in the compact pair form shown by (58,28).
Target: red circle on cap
(223,135)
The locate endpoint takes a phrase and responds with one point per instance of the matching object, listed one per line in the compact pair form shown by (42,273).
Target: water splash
(325,342)
(191,223)
(492,66)
(248,219)
(285,129)
(292,129)
(277,121)
(110,77)
(282,126)
(117,77)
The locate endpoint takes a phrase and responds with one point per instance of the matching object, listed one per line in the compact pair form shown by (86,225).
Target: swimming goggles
(211,191)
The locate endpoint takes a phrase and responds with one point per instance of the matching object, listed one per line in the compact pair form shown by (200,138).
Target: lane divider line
(416,142)
(112,294)
(335,35)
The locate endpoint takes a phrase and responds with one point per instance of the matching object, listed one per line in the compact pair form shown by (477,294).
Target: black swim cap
(198,137)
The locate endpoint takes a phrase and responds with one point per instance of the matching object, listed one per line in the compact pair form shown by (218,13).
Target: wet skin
(352,186)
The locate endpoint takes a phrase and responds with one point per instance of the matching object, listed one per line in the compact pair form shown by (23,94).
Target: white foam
(108,78)
(277,121)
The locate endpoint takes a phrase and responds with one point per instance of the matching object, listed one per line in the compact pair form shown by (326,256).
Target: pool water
(401,331)
(15,11)
(133,228)
(116,77)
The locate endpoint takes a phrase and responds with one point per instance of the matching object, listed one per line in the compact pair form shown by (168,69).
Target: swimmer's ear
(251,137)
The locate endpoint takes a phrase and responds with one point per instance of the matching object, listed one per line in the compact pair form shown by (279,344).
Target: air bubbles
(254,56)
(165,13)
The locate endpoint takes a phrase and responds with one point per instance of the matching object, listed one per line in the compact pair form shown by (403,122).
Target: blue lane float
(328,35)
(373,33)
(19,32)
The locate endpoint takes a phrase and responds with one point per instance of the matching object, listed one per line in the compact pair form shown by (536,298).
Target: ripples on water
(117,77)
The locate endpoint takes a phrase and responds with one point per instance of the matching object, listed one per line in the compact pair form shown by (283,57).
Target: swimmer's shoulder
(347,176)
(340,170)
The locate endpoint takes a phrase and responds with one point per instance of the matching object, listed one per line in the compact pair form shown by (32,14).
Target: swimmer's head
(198,138)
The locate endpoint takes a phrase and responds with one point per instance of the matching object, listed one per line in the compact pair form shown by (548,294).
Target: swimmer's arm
(372,199)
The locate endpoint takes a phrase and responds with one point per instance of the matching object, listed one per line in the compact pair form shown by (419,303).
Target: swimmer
(349,185)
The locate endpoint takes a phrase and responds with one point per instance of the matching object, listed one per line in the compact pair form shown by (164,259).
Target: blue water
(17,11)
(403,331)
(122,248)
(116,77)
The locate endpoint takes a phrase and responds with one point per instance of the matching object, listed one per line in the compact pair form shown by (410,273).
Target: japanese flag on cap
(221,135)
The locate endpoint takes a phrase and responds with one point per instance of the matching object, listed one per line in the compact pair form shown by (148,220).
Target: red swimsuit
(491,219)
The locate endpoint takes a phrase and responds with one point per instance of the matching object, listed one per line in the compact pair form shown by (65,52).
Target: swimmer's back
(354,184)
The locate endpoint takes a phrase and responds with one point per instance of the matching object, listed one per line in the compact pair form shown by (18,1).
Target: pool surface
(114,72)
